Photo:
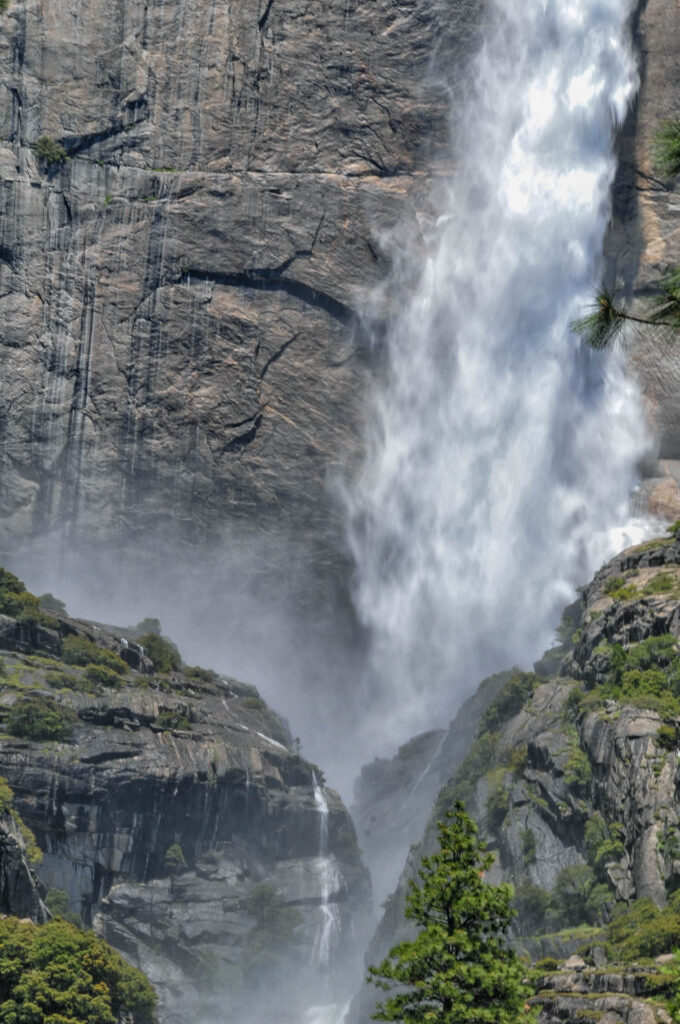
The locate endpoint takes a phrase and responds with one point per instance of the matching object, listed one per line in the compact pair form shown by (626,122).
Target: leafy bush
(647,674)
(254,703)
(6,796)
(51,604)
(642,930)
(40,718)
(528,840)
(174,860)
(203,675)
(19,603)
(78,650)
(56,901)
(666,149)
(662,583)
(497,804)
(102,674)
(577,772)
(163,653)
(617,588)
(548,963)
(509,701)
(57,974)
(169,720)
(569,898)
(667,736)
(272,945)
(69,681)
(49,150)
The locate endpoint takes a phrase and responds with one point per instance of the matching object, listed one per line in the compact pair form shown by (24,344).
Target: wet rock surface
(184,761)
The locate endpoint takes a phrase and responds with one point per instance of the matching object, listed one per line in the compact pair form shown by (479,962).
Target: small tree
(459,969)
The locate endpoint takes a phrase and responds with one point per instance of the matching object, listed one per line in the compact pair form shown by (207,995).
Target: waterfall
(501,455)
(329,926)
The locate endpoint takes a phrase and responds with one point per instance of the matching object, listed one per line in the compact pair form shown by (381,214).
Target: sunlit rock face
(182,297)
(644,243)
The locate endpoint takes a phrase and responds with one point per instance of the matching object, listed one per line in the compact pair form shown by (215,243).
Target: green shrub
(203,675)
(569,898)
(642,930)
(6,796)
(509,701)
(662,583)
(33,851)
(577,772)
(617,588)
(497,805)
(40,718)
(172,720)
(667,736)
(78,650)
(49,150)
(102,674)
(52,605)
(271,948)
(254,703)
(69,681)
(174,860)
(531,903)
(666,152)
(548,963)
(57,974)
(163,653)
(17,602)
(56,901)
(528,840)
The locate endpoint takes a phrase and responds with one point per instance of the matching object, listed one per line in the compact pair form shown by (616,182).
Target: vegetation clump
(602,324)
(40,718)
(169,720)
(49,150)
(509,701)
(163,653)
(272,946)
(78,650)
(174,861)
(19,603)
(57,974)
(646,674)
(666,148)
(52,605)
(459,969)
(102,674)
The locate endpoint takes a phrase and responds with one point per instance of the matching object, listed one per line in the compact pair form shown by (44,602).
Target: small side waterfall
(501,455)
(328,930)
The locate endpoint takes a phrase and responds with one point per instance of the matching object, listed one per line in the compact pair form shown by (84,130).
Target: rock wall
(185,760)
(644,243)
(545,762)
(186,297)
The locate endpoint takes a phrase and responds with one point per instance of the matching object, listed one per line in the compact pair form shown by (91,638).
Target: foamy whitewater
(502,455)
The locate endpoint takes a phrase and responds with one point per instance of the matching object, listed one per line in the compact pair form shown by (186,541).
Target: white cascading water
(328,930)
(503,454)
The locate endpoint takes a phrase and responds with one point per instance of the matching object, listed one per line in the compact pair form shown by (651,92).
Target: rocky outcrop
(628,995)
(166,805)
(393,796)
(578,770)
(191,286)
(21,893)
(644,244)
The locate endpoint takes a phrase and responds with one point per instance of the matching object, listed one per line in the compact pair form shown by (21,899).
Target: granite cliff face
(186,297)
(578,770)
(644,243)
(166,806)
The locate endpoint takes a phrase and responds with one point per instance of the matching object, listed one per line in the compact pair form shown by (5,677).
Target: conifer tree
(459,969)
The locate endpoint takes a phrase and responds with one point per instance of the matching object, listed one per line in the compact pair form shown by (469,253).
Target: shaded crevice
(263,20)
(267,279)
(243,440)
(277,355)
(77,144)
